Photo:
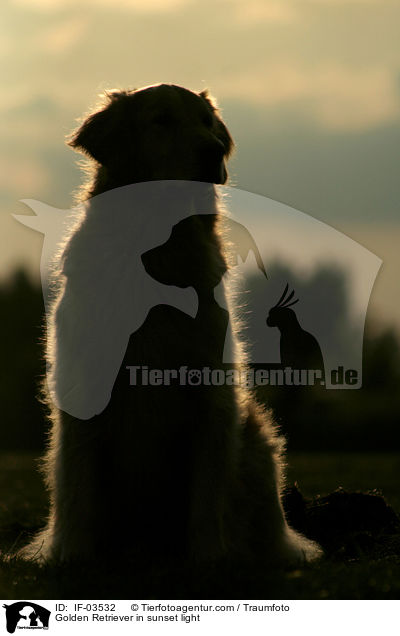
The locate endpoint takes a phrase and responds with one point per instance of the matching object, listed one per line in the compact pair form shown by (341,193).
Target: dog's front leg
(214,475)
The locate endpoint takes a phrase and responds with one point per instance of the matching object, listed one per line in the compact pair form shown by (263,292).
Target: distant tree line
(311,417)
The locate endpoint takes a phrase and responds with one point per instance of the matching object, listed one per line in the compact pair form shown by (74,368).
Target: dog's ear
(96,137)
(222,131)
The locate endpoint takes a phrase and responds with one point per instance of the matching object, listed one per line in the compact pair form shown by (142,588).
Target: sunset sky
(310,90)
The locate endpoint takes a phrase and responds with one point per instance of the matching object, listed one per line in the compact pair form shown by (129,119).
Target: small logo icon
(194,377)
(26,615)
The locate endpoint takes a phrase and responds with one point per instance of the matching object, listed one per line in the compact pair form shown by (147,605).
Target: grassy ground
(366,574)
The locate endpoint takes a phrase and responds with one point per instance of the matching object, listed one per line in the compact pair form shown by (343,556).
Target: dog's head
(156,133)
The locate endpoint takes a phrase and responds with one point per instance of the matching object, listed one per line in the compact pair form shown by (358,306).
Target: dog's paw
(298,550)
(38,551)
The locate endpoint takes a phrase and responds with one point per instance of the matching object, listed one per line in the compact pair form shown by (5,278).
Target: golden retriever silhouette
(167,470)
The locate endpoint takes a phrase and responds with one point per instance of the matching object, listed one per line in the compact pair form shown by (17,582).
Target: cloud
(142,6)
(22,175)
(62,37)
(344,2)
(259,11)
(338,97)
